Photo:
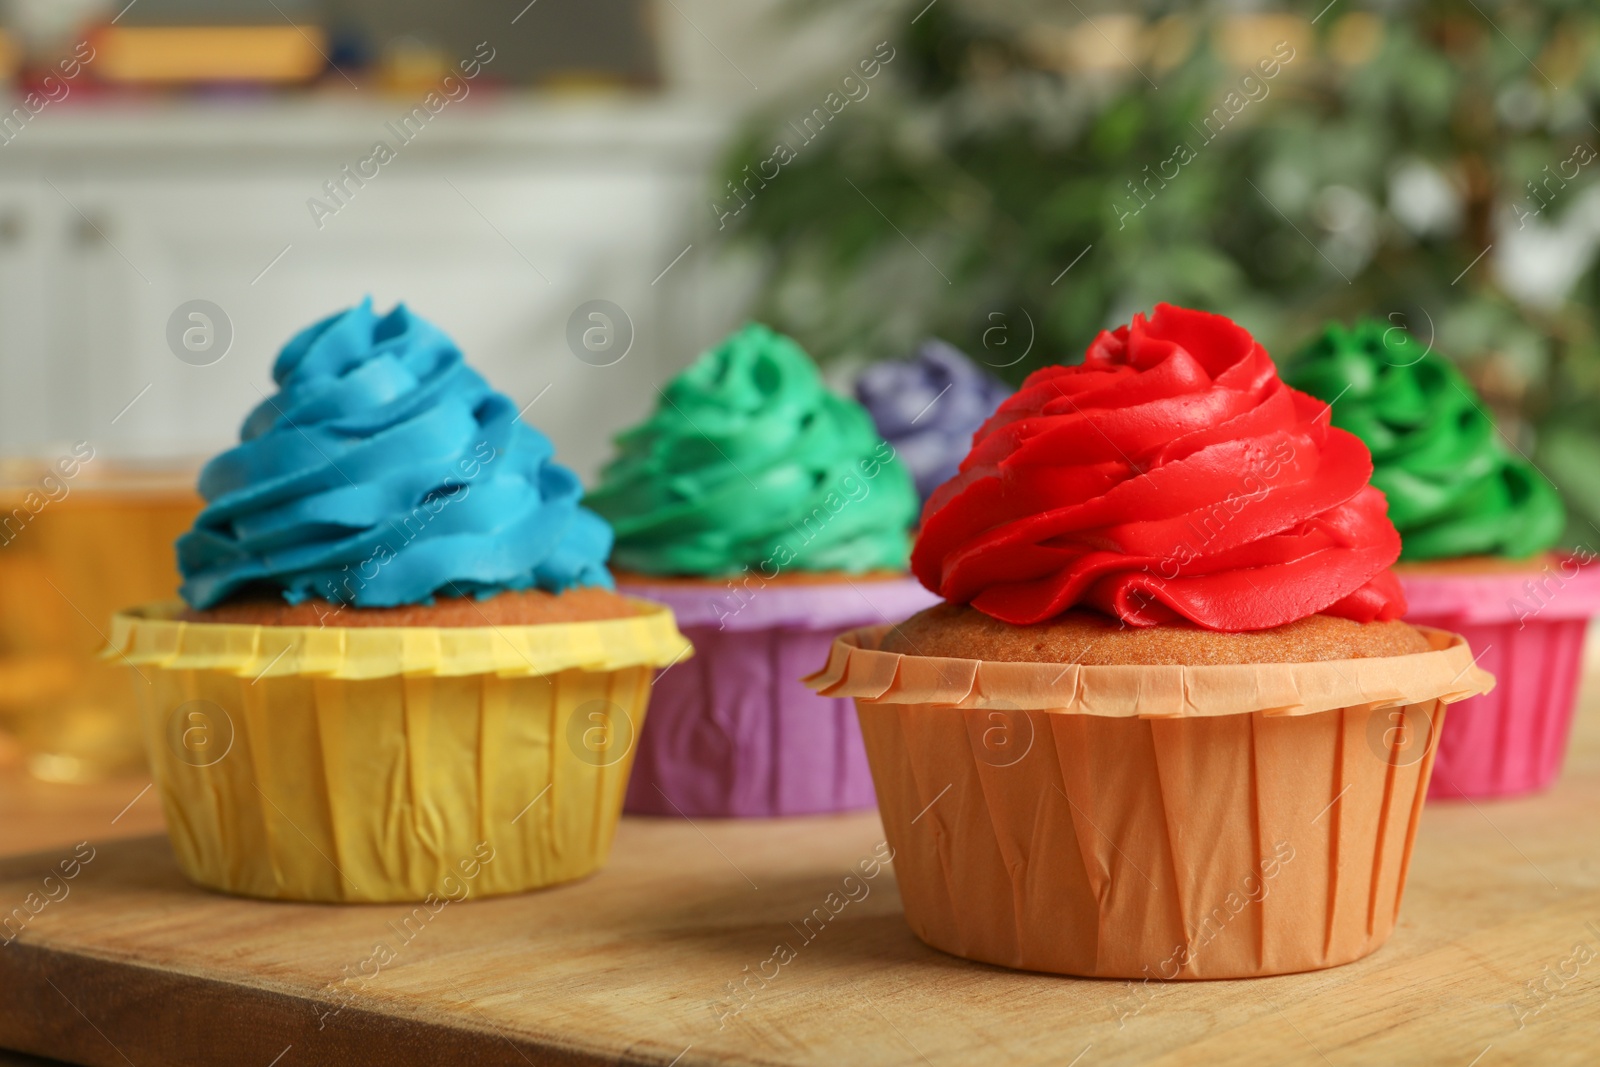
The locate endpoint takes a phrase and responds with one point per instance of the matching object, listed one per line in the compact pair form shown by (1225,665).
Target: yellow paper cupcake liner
(385,764)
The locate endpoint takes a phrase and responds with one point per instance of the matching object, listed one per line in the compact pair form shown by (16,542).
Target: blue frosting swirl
(386,471)
(928,407)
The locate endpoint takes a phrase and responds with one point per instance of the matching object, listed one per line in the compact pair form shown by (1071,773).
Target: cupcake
(928,407)
(769,515)
(1476,523)
(1167,723)
(402,672)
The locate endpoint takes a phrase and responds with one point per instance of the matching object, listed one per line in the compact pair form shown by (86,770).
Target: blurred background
(184,184)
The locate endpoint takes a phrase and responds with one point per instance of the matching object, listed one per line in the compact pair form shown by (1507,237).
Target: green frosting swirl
(749,461)
(1453,488)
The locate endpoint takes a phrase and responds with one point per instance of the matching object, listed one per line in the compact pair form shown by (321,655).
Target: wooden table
(636,965)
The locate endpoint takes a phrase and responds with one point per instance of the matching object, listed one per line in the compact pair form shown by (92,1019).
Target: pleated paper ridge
(753,605)
(857,668)
(1564,588)
(152,635)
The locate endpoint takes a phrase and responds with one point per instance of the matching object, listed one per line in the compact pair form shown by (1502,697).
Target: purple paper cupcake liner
(731,730)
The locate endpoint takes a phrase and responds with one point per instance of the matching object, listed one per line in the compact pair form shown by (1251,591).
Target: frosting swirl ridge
(1171,476)
(1453,488)
(385,471)
(928,408)
(748,460)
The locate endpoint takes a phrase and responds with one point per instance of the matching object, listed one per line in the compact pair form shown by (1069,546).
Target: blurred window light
(1423,199)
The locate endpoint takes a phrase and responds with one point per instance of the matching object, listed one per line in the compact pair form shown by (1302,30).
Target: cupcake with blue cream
(398,616)
(385,482)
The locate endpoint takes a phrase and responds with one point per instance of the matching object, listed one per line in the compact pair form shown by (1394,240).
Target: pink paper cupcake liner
(1527,629)
(732,731)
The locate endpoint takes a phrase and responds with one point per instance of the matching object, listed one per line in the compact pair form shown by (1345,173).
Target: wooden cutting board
(634,965)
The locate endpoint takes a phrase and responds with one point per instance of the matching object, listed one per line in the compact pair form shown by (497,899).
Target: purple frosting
(929,406)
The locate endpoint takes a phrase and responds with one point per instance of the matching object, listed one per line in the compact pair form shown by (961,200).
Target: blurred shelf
(503,214)
(232,131)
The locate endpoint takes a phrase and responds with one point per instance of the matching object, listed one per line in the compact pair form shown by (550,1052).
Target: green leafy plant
(1019,178)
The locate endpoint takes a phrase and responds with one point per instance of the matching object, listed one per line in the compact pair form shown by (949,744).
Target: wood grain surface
(1496,959)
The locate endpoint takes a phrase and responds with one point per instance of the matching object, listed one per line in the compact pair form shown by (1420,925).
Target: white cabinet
(32,388)
(496,227)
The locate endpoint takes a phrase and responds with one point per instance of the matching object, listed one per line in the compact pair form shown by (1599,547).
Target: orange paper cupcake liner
(1151,822)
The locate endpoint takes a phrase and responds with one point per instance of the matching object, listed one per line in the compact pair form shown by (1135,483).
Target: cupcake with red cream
(1168,722)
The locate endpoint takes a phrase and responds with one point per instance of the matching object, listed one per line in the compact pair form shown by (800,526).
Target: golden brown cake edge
(958,631)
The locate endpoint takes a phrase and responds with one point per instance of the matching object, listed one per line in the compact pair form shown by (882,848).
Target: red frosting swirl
(1171,476)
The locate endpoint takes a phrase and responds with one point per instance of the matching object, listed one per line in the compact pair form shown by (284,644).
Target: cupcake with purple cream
(928,407)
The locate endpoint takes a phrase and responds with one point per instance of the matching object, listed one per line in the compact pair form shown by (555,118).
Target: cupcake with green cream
(749,463)
(1477,523)
(1455,488)
(769,514)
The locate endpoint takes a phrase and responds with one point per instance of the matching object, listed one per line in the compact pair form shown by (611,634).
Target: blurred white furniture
(496,221)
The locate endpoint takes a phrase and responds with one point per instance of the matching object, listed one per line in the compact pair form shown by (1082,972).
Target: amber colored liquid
(66,565)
